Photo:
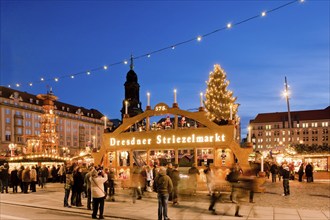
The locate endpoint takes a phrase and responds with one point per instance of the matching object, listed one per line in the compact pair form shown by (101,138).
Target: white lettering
(112,141)
(200,139)
(173,139)
(184,140)
(158,139)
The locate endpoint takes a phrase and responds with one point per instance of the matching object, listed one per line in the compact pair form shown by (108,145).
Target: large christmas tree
(219,102)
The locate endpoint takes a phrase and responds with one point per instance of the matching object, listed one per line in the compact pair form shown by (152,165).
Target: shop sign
(173,139)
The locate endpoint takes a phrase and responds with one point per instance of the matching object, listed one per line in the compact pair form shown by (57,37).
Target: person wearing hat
(163,186)
(97,179)
(286,177)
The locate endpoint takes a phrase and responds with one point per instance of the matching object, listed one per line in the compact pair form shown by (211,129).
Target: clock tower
(132,94)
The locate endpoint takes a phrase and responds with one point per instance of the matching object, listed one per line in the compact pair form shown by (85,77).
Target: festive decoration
(223,157)
(219,102)
(148,55)
(48,136)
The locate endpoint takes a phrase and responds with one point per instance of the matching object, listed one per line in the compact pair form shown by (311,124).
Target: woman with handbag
(98,179)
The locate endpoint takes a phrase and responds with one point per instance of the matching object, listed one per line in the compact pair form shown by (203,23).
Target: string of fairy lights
(150,53)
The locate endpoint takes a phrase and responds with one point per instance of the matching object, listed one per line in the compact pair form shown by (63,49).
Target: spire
(131,65)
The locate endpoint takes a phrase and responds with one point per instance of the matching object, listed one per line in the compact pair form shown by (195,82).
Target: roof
(319,114)
(60,106)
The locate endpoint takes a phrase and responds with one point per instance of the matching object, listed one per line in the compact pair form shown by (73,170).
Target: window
(8,136)
(19,122)
(27,115)
(27,123)
(324,124)
(7,120)
(18,113)
(19,131)
(7,111)
(314,124)
(20,139)
(283,132)
(28,131)
(305,125)
(268,127)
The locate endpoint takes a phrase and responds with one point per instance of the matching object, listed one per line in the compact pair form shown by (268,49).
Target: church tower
(132,93)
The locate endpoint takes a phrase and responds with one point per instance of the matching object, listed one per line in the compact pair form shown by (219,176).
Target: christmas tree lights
(220,102)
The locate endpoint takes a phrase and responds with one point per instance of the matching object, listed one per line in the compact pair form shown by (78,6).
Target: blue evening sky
(55,38)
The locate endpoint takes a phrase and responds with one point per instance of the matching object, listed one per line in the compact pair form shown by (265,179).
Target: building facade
(77,128)
(271,130)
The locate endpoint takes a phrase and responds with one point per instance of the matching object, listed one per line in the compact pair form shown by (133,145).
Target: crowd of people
(26,178)
(96,184)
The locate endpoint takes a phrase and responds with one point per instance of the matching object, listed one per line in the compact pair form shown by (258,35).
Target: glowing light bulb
(17,85)
(125,62)
(56,79)
(42,79)
(105,67)
(88,73)
(72,77)
(229,25)
(173,47)
(263,14)
(148,55)
(9,86)
(199,38)
(30,84)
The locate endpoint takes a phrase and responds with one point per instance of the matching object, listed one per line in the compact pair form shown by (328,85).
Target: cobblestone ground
(303,195)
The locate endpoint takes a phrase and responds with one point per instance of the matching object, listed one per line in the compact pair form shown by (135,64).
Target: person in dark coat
(286,178)
(175,177)
(301,172)
(20,176)
(163,186)
(274,171)
(4,177)
(78,184)
(169,173)
(14,179)
(309,172)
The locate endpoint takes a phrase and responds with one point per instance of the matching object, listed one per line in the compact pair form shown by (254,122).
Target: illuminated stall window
(124,160)
(186,157)
(161,157)
(205,156)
